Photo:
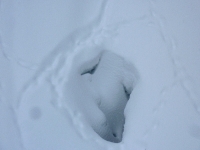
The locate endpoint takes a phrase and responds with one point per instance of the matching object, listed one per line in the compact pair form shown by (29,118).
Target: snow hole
(111,79)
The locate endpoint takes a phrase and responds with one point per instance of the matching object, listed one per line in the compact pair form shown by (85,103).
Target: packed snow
(99,75)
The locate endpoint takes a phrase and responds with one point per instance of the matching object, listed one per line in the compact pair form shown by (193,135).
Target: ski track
(2,98)
(181,77)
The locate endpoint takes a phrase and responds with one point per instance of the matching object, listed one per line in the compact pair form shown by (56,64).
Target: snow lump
(101,83)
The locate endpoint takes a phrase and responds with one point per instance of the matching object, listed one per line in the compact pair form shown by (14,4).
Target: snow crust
(55,67)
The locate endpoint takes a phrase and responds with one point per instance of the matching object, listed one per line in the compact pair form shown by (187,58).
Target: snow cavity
(100,84)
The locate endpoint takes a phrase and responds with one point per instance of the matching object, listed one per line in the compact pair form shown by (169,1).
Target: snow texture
(111,80)
(99,75)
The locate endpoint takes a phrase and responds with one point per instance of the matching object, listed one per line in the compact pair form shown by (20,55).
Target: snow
(113,81)
(67,66)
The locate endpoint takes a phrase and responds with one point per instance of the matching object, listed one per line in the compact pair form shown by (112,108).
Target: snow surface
(47,45)
(112,82)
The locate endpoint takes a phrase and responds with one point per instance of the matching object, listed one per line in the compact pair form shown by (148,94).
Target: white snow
(112,81)
(64,66)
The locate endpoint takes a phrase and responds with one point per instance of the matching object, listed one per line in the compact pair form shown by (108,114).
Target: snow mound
(105,81)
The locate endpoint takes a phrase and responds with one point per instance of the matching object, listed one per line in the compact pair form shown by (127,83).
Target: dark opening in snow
(92,69)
